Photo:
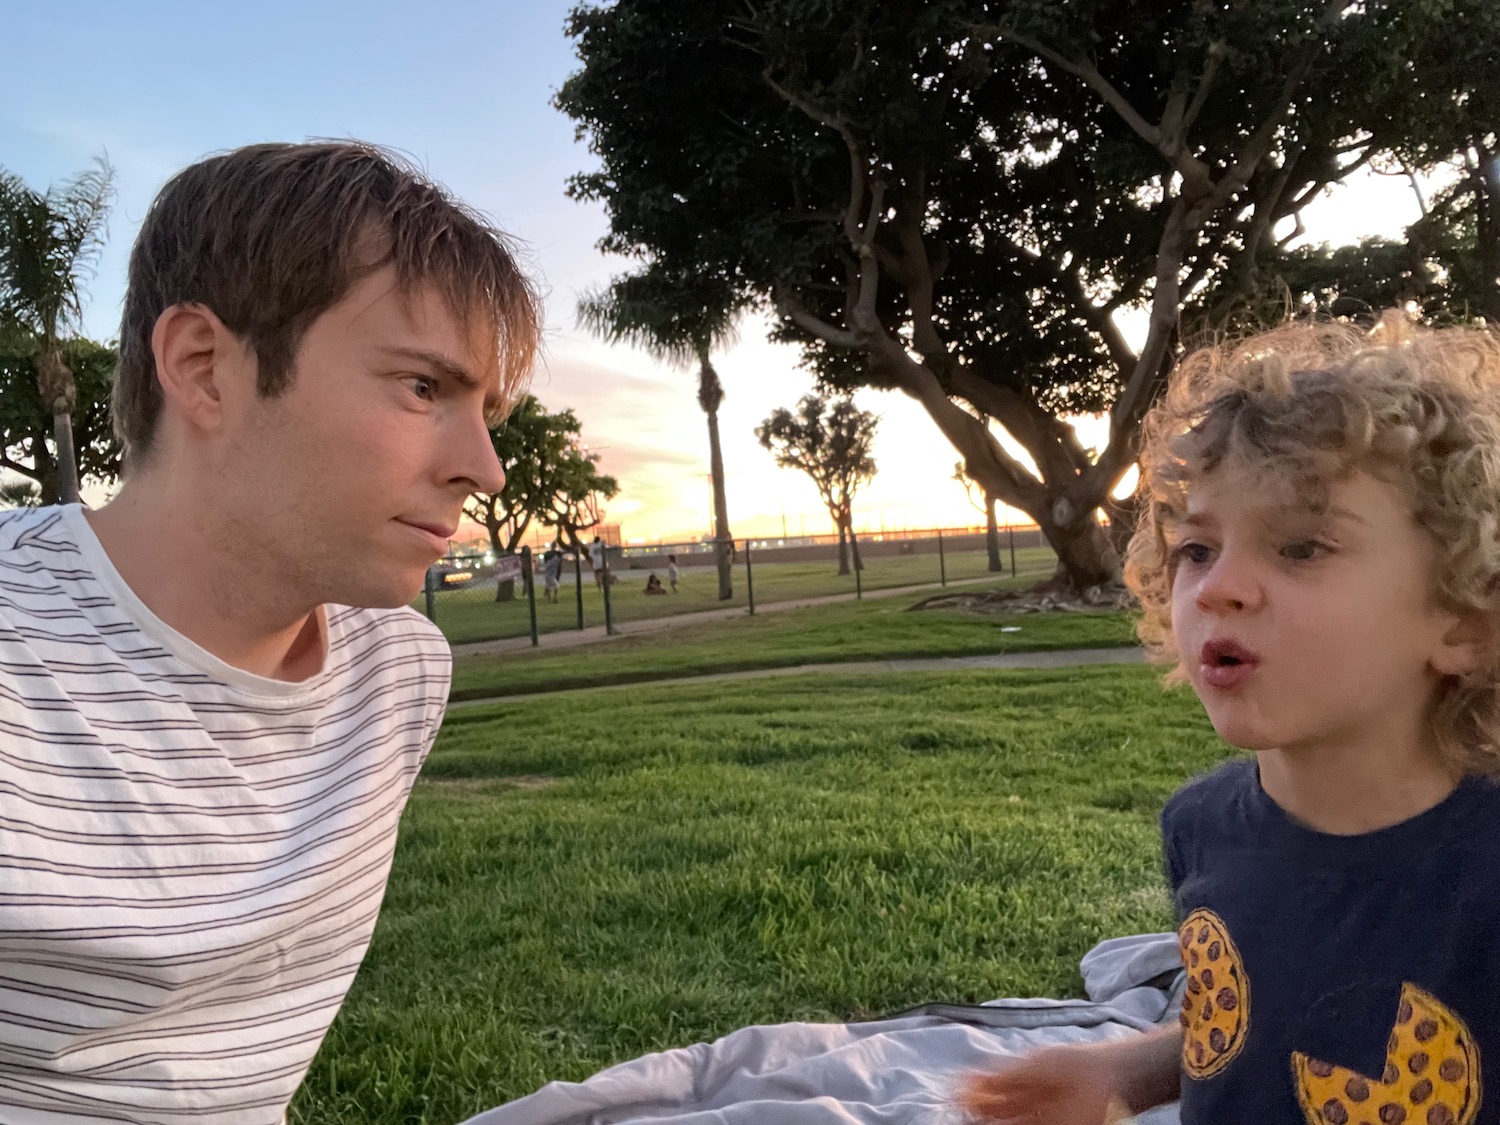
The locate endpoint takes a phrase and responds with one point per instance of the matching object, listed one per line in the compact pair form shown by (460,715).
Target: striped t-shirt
(191,857)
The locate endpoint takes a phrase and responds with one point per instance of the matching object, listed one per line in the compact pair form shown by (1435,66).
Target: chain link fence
(476,597)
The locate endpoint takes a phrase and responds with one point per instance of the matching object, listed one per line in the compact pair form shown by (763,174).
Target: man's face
(348,486)
(1303,629)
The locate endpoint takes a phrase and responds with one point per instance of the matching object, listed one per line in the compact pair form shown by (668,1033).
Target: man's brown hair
(271,236)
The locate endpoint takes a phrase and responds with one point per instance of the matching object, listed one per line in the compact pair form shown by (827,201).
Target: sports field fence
(478,597)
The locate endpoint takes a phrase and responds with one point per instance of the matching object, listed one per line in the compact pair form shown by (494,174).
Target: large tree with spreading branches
(966,199)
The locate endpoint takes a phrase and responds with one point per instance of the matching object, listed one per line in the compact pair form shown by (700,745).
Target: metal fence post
(1011,532)
(578,581)
(431,596)
(942,561)
(749,579)
(609,617)
(527,573)
(859,584)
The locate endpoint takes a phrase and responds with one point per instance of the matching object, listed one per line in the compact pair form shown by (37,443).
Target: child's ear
(1463,647)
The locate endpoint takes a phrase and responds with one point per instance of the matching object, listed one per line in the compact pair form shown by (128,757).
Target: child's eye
(1195,554)
(1304,550)
(423,387)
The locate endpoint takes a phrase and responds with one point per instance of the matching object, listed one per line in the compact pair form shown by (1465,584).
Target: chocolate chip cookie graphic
(1431,1074)
(1216,1006)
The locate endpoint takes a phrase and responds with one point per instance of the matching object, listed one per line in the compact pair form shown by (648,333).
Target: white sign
(508,568)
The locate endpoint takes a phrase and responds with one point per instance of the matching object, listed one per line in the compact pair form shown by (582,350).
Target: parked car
(445,577)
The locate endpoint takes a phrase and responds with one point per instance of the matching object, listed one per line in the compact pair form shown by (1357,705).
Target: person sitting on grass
(1318,558)
(215,698)
(653,585)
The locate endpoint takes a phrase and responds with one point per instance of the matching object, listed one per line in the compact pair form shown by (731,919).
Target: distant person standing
(551,572)
(672,572)
(596,560)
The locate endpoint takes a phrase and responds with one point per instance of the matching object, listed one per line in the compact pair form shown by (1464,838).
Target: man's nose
(476,461)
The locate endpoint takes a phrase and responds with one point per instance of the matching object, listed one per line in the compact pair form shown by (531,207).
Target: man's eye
(1303,550)
(422,386)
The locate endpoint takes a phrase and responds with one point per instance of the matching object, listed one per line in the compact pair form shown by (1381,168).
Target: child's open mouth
(1227,664)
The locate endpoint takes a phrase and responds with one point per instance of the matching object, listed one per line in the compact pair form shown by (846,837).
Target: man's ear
(197,360)
(1463,647)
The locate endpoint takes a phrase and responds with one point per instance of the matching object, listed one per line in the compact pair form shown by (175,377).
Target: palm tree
(680,319)
(49,241)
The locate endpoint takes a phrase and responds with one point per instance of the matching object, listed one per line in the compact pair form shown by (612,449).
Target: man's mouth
(437,532)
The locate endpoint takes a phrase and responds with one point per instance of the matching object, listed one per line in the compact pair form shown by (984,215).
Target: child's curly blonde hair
(1305,405)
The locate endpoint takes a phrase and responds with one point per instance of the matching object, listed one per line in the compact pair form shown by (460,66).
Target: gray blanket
(904,1069)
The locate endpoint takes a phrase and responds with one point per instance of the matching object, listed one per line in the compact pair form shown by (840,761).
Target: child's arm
(1081,1085)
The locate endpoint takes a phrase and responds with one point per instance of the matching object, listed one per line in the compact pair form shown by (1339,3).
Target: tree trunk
(992,533)
(843,551)
(54,380)
(710,395)
(67,461)
(505,591)
(1085,556)
(854,547)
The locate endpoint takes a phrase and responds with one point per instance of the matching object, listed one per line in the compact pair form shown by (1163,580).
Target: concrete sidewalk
(1058,658)
(595,633)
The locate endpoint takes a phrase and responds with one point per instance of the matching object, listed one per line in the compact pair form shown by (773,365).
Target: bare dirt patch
(1040,599)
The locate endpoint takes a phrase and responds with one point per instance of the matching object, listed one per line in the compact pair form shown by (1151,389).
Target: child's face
(1302,630)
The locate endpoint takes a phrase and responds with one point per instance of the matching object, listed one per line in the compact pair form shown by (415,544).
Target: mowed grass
(577,885)
(886,629)
(474,615)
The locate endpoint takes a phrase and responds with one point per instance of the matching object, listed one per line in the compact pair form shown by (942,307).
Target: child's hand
(1062,1085)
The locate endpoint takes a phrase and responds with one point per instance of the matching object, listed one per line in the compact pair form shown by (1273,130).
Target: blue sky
(464,88)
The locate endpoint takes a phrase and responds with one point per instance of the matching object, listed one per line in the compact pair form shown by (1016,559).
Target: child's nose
(1230,585)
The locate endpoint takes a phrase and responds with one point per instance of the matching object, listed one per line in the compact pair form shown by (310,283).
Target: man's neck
(180,570)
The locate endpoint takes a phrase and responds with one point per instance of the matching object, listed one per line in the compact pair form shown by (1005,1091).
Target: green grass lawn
(884,629)
(473,614)
(575,886)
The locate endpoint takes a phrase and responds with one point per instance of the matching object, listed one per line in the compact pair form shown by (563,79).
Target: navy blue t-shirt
(1336,979)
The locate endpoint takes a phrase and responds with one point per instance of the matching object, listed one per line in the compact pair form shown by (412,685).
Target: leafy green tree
(830,441)
(680,319)
(549,478)
(960,198)
(1458,136)
(27,431)
(48,243)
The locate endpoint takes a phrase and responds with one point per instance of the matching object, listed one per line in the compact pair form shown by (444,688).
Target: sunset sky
(464,88)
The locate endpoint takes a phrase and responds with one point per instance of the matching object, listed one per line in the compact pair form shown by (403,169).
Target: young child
(1318,558)
(672,572)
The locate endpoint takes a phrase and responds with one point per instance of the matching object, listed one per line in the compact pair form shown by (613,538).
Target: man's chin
(383,592)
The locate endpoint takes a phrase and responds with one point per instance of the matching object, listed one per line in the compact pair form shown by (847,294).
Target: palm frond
(49,244)
(676,316)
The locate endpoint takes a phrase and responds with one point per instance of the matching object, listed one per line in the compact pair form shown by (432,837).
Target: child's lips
(1226,664)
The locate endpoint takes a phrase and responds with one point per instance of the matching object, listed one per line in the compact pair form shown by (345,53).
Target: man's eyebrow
(444,366)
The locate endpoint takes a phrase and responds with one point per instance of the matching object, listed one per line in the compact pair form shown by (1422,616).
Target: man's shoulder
(32,528)
(403,629)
